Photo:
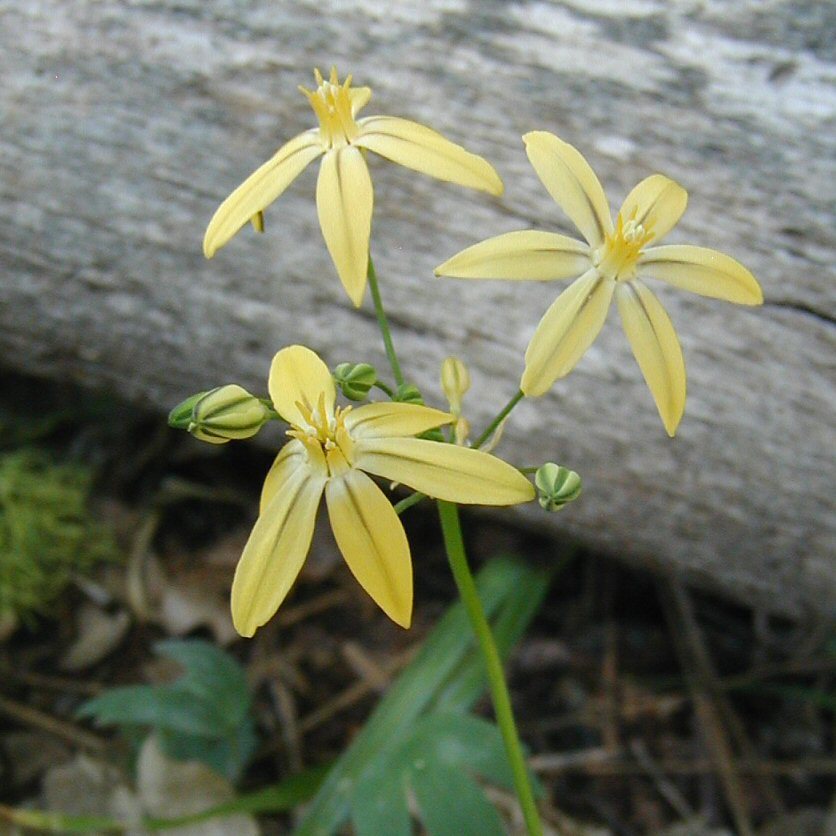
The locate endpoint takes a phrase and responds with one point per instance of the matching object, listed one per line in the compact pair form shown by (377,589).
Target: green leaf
(452,804)
(437,745)
(511,592)
(204,715)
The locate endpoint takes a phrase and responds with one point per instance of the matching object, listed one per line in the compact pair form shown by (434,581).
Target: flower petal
(656,349)
(388,420)
(344,200)
(657,203)
(566,331)
(528,254)
(292,456)
(298,375)
(572,183)
(276,550)
(372,541)
(703,271)
(359,98)
(423,149)
(444,471)
(260,189)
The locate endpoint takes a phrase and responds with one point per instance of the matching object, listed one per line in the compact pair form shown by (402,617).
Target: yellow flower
(344,194)
(608,263)
(329,451)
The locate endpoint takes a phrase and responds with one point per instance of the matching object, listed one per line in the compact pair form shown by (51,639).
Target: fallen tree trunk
(125,125)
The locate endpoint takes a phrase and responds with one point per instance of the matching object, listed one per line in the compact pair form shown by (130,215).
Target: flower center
(617,257)
(331,102)
(325,436)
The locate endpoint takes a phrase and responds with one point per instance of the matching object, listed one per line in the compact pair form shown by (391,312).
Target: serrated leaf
(201,716)
(211,675)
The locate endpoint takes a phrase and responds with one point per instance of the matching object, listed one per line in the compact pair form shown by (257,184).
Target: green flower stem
(501,416)
(387,390)
(454,545)
(383,323)
(409,501)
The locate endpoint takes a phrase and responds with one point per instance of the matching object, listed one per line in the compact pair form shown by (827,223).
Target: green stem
(383,323)
(387,390)
(454,545)
(501,416)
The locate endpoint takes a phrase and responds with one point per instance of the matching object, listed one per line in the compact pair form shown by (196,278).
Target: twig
(46,722)
(699,675)
(663,784)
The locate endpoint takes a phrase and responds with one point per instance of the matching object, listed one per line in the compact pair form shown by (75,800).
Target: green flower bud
(556,486)
(355,379)
(181,416)
(225,413)
(408,393)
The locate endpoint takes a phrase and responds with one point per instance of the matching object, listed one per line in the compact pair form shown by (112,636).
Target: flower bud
(225,413)
(455,381)
(556,486)
(408,393)
(181,416)
(355,379)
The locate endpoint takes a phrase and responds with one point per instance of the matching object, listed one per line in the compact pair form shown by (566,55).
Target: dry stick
(598,762)
(666,788)
(698,673)
(46,722)
(768,788)
(609,672)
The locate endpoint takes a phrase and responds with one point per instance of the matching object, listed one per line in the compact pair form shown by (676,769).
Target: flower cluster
(335,451)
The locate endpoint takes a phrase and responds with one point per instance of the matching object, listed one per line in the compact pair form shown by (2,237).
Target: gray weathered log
(123,125)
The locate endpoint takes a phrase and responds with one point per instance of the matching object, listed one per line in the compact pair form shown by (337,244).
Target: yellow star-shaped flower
(608,264)
(331,452)
(344,195)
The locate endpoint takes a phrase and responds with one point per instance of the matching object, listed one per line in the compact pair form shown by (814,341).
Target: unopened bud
(355,379)
(408,393)
(227,412)
(455,381)
(556,486)
(181,416)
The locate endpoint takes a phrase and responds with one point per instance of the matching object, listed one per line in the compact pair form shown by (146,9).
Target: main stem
(454,544)
(383,324)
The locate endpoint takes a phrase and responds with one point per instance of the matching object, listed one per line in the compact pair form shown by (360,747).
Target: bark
(125,124)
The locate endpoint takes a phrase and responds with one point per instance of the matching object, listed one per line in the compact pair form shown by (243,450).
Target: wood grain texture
(124,124)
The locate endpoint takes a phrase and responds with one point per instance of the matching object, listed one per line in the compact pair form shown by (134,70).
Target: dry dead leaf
(99,633)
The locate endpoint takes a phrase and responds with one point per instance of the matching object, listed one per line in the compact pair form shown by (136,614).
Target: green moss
(47,535)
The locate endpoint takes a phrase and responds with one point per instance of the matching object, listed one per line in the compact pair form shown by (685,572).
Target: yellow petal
(372,541)
(344,201)
(276,550)
(260,189)
(423,149)
(566,331)
(703,271)
(359,98)
(387,420)
(445,471)
(572,183)
(656,349)
(291,457)
(528,254)
(298,375)
(657,203)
